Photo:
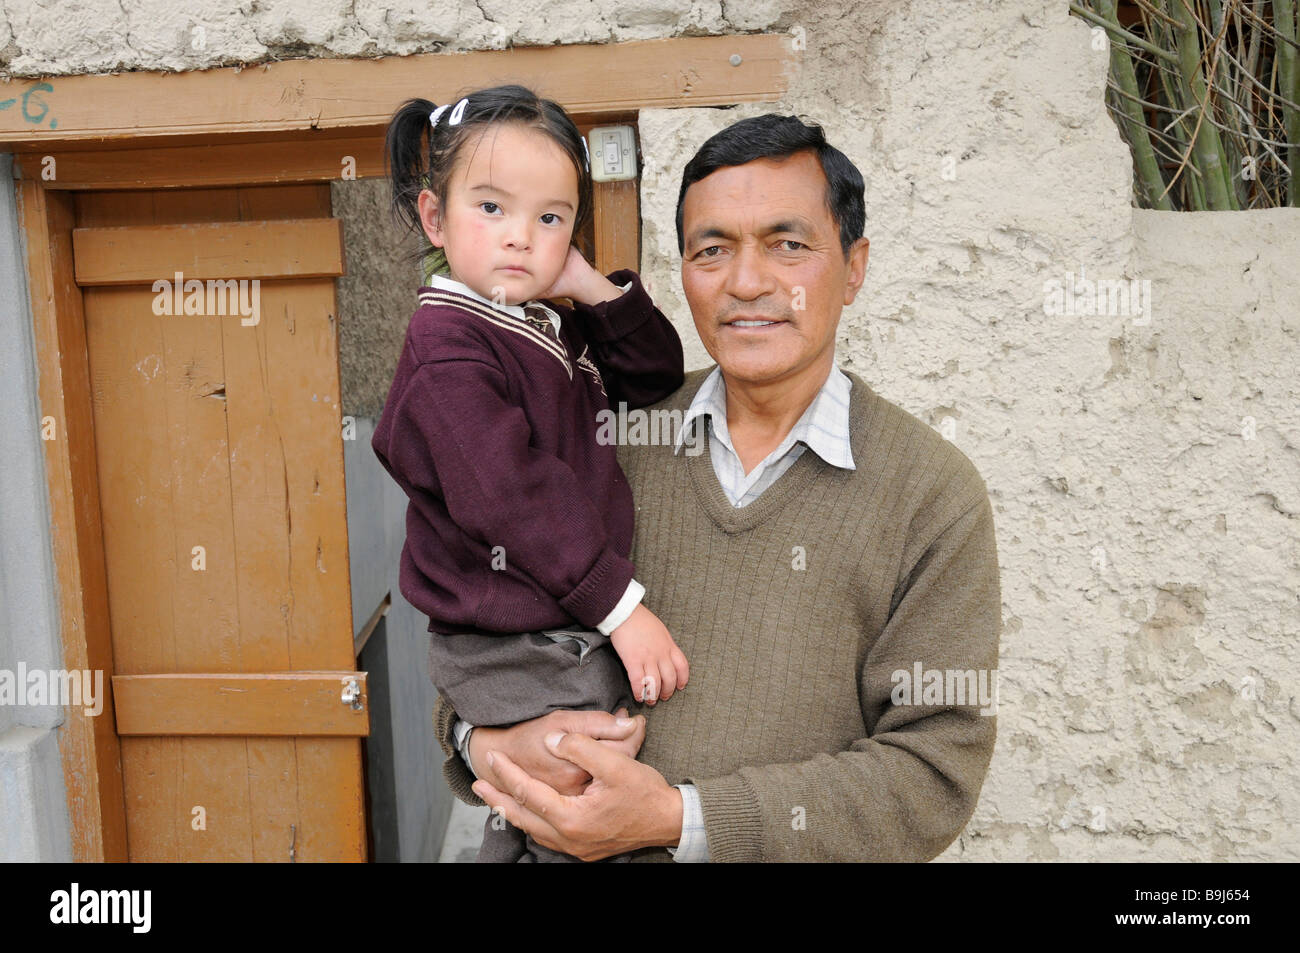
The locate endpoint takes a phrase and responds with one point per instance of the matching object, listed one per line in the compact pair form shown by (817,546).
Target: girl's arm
(636,348)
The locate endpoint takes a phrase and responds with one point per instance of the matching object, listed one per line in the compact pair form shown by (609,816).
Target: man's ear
(431,217)
(857,267)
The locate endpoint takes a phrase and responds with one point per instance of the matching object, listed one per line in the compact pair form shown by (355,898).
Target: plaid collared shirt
(824,427)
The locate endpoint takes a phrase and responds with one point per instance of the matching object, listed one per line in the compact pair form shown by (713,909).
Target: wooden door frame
(285,122)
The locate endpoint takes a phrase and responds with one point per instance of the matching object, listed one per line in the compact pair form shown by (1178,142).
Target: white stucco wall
(1149,549)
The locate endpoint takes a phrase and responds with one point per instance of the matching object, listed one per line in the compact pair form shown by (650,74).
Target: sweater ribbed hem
(599,592)
(454,770)
(732,822)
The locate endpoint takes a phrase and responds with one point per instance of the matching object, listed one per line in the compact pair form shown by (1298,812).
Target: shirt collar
(823,427)
(443,283)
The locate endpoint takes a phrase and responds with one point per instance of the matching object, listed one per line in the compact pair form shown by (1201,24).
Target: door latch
(352,693)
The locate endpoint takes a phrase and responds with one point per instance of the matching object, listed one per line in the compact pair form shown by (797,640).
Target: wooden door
(220,470)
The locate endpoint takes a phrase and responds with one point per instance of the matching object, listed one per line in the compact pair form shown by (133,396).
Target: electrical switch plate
(613,153)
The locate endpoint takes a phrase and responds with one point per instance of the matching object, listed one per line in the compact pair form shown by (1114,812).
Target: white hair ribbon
(458,113)
(437,114)
(587,152)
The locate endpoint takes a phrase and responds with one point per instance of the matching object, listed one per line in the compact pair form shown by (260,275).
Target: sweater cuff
(600,590)
(623,611)
(732,823)
(617,318)
(454,769)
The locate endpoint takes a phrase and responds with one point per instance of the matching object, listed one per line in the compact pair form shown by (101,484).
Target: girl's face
(511,204)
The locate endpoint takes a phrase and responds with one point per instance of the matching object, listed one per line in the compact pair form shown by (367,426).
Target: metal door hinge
(352,693)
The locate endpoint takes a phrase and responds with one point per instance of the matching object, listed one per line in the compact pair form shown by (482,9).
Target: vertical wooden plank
(331,800)
(205,617)
(151,769)
(333,828)
(214,776)
(303,345)
(618,226)
(273,794)
(128,375)
(260,512)
(260,454)
(89,745)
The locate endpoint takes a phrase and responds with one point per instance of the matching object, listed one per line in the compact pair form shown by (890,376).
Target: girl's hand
(580,282)
(655,666)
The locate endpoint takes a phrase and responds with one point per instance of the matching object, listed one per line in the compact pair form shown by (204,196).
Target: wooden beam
(92,768)
(274,704)
(314,155)
(141,254)
(308,94)
(308,157)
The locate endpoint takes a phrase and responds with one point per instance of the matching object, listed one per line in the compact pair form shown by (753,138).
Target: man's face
(763,270)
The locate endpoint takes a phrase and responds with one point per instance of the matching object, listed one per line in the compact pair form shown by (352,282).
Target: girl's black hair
(421,156)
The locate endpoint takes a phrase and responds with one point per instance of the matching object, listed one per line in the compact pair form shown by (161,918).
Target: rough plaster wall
(377,295)
(98,36)
(1124,730)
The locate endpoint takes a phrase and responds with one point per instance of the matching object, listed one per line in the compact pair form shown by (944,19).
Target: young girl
(520,520)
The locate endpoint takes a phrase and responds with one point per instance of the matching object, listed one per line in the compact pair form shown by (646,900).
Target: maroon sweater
(490,429)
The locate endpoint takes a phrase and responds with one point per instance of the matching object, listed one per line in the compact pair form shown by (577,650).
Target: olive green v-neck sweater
(796,612)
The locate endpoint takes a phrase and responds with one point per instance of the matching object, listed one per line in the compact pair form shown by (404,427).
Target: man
(828,547)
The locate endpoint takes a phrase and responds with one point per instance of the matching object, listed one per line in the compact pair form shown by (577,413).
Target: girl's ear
(431,217)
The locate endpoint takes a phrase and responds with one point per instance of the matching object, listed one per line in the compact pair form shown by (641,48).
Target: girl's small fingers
(634,675)
(647,689)
(669,676)
(680,664)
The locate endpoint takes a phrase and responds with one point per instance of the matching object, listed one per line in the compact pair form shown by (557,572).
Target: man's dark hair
(776,137)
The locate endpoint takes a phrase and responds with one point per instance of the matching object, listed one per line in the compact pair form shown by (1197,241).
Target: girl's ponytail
(406,152)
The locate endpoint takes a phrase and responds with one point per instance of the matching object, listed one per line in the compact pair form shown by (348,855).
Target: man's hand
(524,744)
(627,804)
(655,666)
